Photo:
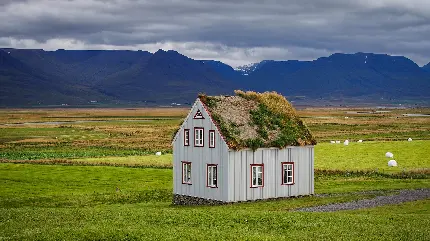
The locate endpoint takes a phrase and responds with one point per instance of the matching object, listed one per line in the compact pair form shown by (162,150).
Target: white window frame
(257,173)
(212,175)
(186,172)
(288,173)
(211,138)
(199,136)
(186,137)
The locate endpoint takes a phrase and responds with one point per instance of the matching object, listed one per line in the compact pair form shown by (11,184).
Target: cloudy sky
(236,32)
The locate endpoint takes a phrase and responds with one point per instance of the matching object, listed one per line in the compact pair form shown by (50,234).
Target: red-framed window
(212,175)
(257,175)
(186,172)
(287,173)
(212,139)
(199,136)
(186,137)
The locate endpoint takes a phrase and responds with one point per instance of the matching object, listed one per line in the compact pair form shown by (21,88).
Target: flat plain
(92,174)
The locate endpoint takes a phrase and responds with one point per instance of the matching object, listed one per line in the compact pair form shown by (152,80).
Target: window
(186,137)
(198,136)
(211,139)
(257,176)
(212,175)
(198,115)
(186,172)
(287,173)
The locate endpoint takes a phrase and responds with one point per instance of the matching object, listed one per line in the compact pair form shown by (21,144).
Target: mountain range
(34,77)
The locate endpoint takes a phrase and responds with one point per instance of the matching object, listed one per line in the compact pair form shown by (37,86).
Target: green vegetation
(19,152)
(371,156)
(87,190)
(254,120)
(59,202)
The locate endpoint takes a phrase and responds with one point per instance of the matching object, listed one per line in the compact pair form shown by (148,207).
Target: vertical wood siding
(199,157)
(239,172)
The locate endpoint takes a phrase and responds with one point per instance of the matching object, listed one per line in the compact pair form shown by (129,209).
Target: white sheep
(332,142)
(346,142)
(360,141)
(158,153)
(337,142)
(392,163)
(389,155)
(410,139)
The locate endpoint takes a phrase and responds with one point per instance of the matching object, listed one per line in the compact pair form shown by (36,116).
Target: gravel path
(403,196)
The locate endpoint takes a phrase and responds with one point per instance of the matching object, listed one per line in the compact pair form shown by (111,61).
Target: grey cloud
(301,27)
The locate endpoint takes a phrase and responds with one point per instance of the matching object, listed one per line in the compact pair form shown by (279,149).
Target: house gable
(195,119)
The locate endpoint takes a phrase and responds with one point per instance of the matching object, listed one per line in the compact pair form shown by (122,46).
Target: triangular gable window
(198,115)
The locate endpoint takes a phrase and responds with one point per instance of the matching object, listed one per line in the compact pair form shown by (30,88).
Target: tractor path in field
(403,196)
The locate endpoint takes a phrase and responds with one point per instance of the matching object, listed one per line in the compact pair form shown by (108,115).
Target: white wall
(240,173)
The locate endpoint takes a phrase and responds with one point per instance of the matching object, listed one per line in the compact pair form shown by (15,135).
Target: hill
(77,77)
(426,67)
(360,74)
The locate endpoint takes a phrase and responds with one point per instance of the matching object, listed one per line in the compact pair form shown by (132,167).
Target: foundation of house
(188,200)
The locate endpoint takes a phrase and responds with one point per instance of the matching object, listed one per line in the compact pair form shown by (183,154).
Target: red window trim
(211,131)
(262,169)
(203,136)
(282,170)
(187,144)
(207,173)
(182,172)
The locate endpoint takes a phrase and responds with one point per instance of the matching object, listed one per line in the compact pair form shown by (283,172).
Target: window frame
(208,166)
(198,115)
(286,164)
(186,132)
(211,138)
(202,136)
(262,175)
(185,164)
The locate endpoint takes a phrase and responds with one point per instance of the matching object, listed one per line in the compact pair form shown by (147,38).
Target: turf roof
(254,120)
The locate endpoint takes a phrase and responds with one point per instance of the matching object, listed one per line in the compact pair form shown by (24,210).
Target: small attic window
(186,137)
(212,139)
(198,115)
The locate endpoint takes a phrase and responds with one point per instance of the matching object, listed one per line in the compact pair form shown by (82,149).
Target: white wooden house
(238,148)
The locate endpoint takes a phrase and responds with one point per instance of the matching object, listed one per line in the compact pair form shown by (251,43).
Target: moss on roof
(254,120)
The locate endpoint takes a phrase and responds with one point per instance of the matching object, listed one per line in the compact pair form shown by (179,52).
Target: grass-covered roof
(254,120)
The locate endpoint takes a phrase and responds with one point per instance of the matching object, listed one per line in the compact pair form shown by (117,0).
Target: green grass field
(101,180)
(52,202)
(371,155)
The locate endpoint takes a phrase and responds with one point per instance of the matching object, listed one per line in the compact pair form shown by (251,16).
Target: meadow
(92,174)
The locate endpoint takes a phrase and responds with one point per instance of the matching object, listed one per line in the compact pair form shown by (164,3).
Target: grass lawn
(86,202)
(94,194)
(371,155)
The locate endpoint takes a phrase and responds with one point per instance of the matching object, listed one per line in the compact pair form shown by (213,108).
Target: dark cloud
(243,31)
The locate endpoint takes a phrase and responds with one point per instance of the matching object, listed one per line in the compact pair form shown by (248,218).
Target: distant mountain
(22,85)
(426,67)
(250,68)
(77,77)
(112,76)
(166,76)
(357,74)
(234,77)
